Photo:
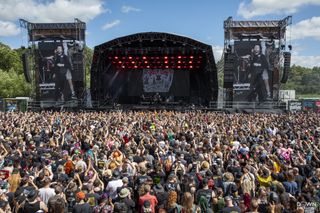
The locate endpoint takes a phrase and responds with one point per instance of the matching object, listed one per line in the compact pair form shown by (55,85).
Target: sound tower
(25,64)
(286,67)
(78,67)
(229,63)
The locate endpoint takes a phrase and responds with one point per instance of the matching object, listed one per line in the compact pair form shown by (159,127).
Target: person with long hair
(172,206)
(188,205)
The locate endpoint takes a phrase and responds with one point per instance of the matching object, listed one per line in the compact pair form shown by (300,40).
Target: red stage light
(179,62)
(120,62)
(130,57)
(167,67)
(145,62)
(191,67)
(179,67)
(191,56)
(190,62)
(166,57)
(135,67)
(148,66)
(179,56)
(123,67)
(165,62)
(116,57)
(144,58)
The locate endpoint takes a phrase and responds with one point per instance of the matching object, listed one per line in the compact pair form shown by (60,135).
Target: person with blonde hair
(247,182)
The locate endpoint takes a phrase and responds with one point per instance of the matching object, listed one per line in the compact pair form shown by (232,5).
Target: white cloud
(8,29)
(308,28)
(127,9)
(111,24)
(51,11)
(265,7)
(217,52)
(306,61)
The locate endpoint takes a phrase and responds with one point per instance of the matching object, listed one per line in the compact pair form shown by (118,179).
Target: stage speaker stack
(78,67)
(286,67)
(25,64)
(229,62)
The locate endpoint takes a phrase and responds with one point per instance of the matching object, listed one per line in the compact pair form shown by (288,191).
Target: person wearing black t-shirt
(230,207)
(258,75)
(206,192)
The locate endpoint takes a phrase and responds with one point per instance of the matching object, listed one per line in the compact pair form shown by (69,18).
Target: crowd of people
(165,161)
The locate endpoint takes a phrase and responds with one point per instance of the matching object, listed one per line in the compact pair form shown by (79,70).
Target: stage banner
(295,106)
(308,105)
(157,80)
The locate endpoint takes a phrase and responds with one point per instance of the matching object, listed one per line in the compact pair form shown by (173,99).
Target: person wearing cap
(124,200)
(81,205)
(33,203)
(125,182)
(229,206)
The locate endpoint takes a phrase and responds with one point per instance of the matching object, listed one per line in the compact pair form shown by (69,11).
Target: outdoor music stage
(156,68)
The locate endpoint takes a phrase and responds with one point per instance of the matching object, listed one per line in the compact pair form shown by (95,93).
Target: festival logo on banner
(157,80)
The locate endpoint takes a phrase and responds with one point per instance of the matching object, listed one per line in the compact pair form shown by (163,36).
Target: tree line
(12,81)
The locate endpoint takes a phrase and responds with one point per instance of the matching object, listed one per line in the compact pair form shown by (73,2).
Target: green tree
(12,83)
(9,59)
(303,80)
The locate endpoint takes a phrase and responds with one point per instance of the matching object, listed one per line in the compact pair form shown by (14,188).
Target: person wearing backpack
(161,195)
(206,193)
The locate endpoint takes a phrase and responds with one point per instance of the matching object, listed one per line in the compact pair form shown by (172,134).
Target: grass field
(308,96)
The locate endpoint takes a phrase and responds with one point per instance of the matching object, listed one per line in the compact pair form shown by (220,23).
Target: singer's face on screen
(59,50)
(256,49)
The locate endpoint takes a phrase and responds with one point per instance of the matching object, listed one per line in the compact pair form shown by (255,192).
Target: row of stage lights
(156,62)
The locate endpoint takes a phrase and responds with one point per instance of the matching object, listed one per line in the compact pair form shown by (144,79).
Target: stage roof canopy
(275,29)
(155,46)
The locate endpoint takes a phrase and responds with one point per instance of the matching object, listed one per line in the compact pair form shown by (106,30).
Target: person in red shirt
(148,197)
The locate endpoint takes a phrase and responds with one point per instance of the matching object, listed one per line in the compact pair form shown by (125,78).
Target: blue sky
(199,19)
